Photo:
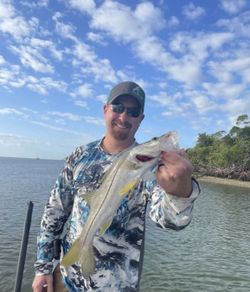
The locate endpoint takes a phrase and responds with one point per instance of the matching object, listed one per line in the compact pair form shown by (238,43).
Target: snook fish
(118,181)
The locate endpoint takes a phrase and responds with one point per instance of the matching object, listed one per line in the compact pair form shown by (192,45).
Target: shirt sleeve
(170,211)
(56,213)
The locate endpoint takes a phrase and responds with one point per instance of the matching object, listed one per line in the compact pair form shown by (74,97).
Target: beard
(121,131)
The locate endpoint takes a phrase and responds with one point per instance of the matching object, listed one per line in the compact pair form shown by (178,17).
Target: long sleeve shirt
(119,251)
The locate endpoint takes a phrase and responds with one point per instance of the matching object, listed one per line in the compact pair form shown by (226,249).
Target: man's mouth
(121,125)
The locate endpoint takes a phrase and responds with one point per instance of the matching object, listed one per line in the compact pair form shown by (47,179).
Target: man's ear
(105,108)
(142,118)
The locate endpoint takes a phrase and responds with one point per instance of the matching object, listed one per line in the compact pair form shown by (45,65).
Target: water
(211,254)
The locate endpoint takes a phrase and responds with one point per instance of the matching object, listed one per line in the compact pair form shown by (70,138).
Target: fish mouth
(144,158)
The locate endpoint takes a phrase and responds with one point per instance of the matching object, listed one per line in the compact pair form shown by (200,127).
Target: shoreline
(224,181)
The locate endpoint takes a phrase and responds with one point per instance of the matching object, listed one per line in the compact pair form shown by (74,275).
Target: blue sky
(59,59)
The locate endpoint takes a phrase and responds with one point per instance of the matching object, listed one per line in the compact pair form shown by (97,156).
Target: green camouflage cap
(128,88)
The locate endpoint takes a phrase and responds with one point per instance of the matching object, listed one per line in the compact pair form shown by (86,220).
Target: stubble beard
(119,133)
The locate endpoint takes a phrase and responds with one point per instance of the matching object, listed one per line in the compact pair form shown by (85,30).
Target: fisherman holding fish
(97,208)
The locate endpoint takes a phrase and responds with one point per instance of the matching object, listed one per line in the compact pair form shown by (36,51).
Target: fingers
(43,283)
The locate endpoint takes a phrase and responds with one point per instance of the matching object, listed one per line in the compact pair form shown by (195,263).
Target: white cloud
(233,6)
(41,44)
(224,90)
(84,90)
(45,84)
(64,30)
(83,5)
(202,103)
(10,139)
(173,22)
(94,120)
(192,12)
(91,64)
(37,4)
(60,129)
(239,25)
(11,111)
(32,57)
(67,116)
(14,24)
(96,38)
(127,25)
(81,103)
(2,60)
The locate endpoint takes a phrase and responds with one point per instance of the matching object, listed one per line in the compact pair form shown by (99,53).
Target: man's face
(122,126)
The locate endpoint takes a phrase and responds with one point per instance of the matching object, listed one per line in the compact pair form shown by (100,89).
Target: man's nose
(124,116)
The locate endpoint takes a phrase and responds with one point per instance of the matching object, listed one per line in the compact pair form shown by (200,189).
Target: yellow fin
(105,226)
(87,261)
(89,197)
(72,255)
(128,187)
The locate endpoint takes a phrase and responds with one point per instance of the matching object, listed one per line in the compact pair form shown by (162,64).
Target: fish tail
(87,261)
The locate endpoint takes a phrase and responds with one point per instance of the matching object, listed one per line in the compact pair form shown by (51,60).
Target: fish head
(147,154)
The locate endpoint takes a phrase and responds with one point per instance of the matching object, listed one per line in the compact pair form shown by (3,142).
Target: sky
(59,59)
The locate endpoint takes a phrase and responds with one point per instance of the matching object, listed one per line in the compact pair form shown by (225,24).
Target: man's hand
(174,173)
(43,283)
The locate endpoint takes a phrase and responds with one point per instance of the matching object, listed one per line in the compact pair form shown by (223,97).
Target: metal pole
(23,249)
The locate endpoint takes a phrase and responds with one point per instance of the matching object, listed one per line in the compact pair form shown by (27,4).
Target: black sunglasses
(130,111)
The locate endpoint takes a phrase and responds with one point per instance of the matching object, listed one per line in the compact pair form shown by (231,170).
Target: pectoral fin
(105,226)
(72,255)
(128,187)
(87,261)
(84,255)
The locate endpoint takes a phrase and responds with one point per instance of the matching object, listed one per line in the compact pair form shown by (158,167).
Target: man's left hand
(174,173)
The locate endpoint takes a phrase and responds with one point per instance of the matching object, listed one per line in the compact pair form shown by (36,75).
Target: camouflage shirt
(119,251)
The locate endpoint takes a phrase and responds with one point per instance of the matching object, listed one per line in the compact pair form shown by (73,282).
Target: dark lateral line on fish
(91,223)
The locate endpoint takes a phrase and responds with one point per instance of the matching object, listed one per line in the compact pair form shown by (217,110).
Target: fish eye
(155,138)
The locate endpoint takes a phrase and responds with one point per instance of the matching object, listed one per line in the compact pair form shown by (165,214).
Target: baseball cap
(128,88)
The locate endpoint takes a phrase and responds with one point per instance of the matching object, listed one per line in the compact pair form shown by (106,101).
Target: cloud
(41,44)
(94,120)
(60,129)
(96,38)
(192,12)
(64,30)
(83,5)
(126,25)
(14,24)
(31,57)
(45,84)
(38,4)
(232,6)
(90,64)
(68,116)
(10,139)
(239,25)
(84,90)
(11,111)
(2,60)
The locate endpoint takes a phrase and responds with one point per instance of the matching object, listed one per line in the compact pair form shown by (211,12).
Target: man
(118,252)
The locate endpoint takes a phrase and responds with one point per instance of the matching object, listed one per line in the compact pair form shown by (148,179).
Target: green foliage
(223,149)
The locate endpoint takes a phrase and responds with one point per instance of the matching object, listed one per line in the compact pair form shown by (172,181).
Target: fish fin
(72,255)
(105,226)
(128,187)
(87,261)
(90,197)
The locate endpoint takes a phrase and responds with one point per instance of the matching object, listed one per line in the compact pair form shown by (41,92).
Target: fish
(121,178)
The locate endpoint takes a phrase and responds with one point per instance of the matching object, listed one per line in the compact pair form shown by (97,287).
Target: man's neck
(114,146)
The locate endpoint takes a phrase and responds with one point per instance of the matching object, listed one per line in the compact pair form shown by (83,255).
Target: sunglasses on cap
(119,108)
